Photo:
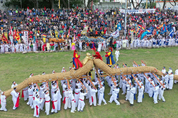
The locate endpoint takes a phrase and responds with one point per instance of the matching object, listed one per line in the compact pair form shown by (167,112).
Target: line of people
(75,91)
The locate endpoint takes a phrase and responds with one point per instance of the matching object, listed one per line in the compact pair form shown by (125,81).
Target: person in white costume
(3,102)
(117,53)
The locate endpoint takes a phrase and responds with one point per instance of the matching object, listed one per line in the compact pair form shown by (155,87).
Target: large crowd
(38,29)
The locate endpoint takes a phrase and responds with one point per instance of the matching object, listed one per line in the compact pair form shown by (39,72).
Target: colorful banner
(115,34)
(25,36)
(139,11)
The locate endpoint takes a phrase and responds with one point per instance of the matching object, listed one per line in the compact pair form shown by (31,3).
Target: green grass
(17,67)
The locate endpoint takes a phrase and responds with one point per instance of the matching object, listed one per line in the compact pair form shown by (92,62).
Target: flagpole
(125,17)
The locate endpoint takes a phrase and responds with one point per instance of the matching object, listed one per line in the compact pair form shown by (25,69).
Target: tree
(133,3)
(173,4)
(35,3)
(164,4)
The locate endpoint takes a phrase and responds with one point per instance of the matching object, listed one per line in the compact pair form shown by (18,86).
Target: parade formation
(77,85)
(84,83)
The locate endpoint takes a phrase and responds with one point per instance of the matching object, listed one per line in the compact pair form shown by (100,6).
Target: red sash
(64,101)
(81,99)
(47,101)
(22,94)
(53,104)
(36,110)
(74,100)
(17,103)
(92,98)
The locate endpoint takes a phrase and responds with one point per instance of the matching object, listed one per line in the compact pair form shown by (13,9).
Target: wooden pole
(158,80)
(135,63)
(68,84)
(124,76)
(149,80)
(37,86)
(98,77)
(113,80)
(126,80)
(81,83)
(155,76)
(136,81)
(133,77)
(145,75)
(91,82)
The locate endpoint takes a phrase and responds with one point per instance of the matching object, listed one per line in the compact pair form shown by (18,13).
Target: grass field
(17,67)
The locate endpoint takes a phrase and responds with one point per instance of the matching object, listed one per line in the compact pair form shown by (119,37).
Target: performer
(73,102)
(131,97)
(3,102)
(93,96)
(140,94)
(76,61)
(30,94)
(25,93)
(13,84)
(15,98)
(114,96)
(59,99)
(101,95)
(117,53)
(66,99)
(37,103)
(47,102)
(109,60)
(54,105)
(97,55)
(81,103)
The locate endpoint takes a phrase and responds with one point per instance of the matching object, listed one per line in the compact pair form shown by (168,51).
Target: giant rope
(88,65)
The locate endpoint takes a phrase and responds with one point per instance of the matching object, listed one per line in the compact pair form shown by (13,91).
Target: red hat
(111,49)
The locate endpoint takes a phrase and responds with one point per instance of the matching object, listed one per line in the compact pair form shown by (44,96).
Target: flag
(44,38)
(140,33)
(169,27)
(143,35)
(163,29)
(56,33)
(14,33)
(115,34)
(171,33)
(160,26)
(10,31)
(6,34)
(17,36)
(119,26)
(4,39)
(150,31)
(140,28)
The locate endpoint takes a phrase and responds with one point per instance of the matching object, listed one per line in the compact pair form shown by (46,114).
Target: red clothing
(97,56)
(76,61)
(79,35)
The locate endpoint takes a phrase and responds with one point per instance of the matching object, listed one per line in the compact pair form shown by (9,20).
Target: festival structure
(83,71)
